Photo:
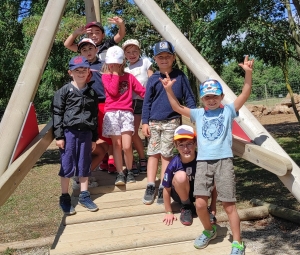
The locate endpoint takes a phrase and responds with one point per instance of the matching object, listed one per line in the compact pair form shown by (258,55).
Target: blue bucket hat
(78,61)
(210,87)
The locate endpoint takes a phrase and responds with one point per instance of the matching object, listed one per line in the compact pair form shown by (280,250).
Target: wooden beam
(17,171)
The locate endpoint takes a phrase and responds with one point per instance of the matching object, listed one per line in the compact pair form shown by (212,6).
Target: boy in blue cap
(159,120)
(214,160)
(75,130)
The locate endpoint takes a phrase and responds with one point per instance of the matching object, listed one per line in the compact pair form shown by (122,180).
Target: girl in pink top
(118,122)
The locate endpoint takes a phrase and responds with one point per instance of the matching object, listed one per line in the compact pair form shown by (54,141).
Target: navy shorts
(137,106)
(176,197)
(76,157)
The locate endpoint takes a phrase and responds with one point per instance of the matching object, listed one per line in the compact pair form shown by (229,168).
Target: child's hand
(80,31)
(116,20)
(248,64)
(169,218)
(60,143)
(93,146)
(114,68)
(167,82)
(146,130)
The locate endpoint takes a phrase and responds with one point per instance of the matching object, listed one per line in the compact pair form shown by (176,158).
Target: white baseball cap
(131,42)
(114,55)
(184,131)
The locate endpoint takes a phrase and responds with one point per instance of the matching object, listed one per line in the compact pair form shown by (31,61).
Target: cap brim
(187,136)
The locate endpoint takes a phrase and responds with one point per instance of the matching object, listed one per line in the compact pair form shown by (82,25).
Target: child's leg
(127,148)
(64,182)
(152,167)
(137,141)
(234,220)
(84,183)
(181,185)
(201,208)
(213,201)
(99,153)
(117,151)
(164,163)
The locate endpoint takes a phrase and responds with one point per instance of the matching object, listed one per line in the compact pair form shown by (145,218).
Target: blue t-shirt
(177,165)
(214,132)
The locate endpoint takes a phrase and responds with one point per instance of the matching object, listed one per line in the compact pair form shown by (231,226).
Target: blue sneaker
(65,204)
(238,248)
(203,240)
(86,201)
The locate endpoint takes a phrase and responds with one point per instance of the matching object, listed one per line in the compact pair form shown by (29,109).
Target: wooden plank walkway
(124,225)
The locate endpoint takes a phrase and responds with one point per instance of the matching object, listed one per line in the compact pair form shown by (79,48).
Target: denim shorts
(76,157)
(221,172)
(117,122)
(161,137)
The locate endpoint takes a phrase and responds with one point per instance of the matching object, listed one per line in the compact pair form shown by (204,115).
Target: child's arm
(122,31)
(242,98)
(137,87)
(150,71)
(176,106)
(169,216)
(69,42)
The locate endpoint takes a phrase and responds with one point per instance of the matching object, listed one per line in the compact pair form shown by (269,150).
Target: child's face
(212,102)
(164,60)
(132,53)
(89,51)
(80,74)
(96,34)
(186,149)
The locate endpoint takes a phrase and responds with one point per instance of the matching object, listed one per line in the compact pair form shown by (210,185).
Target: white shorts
(115,123)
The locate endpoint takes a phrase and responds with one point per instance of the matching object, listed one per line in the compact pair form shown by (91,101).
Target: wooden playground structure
(124,225)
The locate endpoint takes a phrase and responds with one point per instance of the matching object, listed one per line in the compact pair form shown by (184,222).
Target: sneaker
(120,180)
(160,198)
(130,177)
(86,201)
(203,240)
(134,169)
(111,169)
(149,195)
(238,248)
(143,166)
(65,205)
(213,219)
(186,215)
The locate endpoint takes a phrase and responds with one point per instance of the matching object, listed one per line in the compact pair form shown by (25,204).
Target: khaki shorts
(222,172)
(161,137)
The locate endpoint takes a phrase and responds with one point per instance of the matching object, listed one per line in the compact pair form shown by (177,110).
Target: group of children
(103,107)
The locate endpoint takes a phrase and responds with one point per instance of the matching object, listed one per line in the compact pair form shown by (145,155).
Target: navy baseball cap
(211,87)
(78,61)
(163,46)
(95,24)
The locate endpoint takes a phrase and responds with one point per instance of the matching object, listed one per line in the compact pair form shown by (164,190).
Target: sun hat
(163,46)
(78,61)
(114,55)
(211,87)
(95,24)
(131,42)
(184,131)
(84,42)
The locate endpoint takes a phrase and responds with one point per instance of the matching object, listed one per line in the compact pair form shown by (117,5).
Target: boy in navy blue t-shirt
(179,178)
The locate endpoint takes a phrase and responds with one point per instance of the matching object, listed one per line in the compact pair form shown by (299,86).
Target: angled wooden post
(28,81)
(90,11)
(97,10)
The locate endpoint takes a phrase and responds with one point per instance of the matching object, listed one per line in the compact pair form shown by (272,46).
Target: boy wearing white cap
(141,68)
(214,159)
(179,178)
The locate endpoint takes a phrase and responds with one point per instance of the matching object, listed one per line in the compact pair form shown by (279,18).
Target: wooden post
(202,70)
(90,11)
(28,81)
(97,10)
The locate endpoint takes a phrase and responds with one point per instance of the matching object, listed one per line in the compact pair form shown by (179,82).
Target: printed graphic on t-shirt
(166,177)
(123,87)
(213,128)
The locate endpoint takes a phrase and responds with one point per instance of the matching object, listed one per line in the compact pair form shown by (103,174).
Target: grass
(33,212)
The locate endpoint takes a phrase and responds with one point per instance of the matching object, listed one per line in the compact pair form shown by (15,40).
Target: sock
(65,194)
(151,183)
(186,202)
(121,173)
(161,186)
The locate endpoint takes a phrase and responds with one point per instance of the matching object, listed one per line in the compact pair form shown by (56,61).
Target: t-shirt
(118,91)
(177,165)
(103,47)
(140,71)
(214,132)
